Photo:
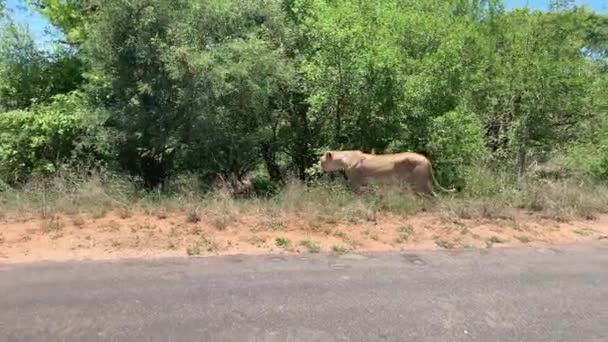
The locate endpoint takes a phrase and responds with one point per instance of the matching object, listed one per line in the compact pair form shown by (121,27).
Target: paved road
(497,295)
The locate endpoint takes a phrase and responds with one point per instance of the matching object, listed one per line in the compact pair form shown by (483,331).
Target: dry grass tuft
(52,225)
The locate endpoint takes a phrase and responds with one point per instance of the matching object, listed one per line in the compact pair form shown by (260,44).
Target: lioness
(360,168)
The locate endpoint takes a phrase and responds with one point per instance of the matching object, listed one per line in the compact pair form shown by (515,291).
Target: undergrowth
(487,195)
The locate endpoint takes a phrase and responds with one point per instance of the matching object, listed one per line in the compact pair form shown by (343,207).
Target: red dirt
(63,237)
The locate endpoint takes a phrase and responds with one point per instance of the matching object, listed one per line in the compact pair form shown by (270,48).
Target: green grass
(282,243)
(311,246)
(341,249)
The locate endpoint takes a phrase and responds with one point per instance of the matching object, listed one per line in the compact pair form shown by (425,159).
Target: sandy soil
(82,236)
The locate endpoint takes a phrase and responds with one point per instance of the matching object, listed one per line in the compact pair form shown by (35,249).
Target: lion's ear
(328,156)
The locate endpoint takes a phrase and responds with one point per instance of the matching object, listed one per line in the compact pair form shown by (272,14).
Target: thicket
(155,89)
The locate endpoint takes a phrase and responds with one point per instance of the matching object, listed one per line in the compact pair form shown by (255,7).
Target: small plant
(257,241)
(275,224)
(194,249)
(494,240)
(113,226)
(78,221)
(195,230)
(282,243)
(340,234)
(443,243)
(584,231)
(341,249)
(51,226)
(161,215)
(203,244)
(98,213)
(125,213)
(173,232)
(311,246)
(192,216)
(405,233)
(222,221)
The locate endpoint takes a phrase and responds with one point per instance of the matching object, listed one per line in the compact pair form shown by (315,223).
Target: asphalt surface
(491,295)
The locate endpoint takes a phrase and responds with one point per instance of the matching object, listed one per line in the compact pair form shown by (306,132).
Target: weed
(136,241)
(341,249)
(173,232)
(195,230)
(98,213)
(52,225)
(257,241)
(405,233)
(340,234)
(112,226)
(272,223)
(282,243)
(192,216)
(222,221)
(311,246)
(443,243)
(125,212)
(494,240)
(203,244)
(78,222)
(194,249)
(584,231)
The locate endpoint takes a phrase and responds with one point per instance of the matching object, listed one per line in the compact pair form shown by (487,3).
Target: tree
(73,17)
(29,75)
(537,94)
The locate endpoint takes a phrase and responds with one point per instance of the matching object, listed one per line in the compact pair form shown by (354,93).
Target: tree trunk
(273,168)
(521,163)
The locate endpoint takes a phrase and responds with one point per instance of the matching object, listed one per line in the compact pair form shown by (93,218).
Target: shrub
(41,139)
(456,142)
(265,187)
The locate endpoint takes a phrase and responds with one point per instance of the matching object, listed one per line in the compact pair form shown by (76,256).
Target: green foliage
(29,75)
(228,87)
(195,87)
(590,159)
(72,16)
(456,142)
(264,187)
(48,136)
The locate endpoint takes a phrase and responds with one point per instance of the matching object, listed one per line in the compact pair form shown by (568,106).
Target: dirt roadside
(115,235)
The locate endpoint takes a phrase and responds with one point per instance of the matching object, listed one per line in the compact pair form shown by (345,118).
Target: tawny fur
(362,169)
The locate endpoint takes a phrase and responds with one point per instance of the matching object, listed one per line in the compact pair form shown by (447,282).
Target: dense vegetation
(154,89)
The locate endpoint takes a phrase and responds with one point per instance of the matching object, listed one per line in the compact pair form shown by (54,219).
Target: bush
(456,143)
(41,139)
(589,159)
(265,187)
